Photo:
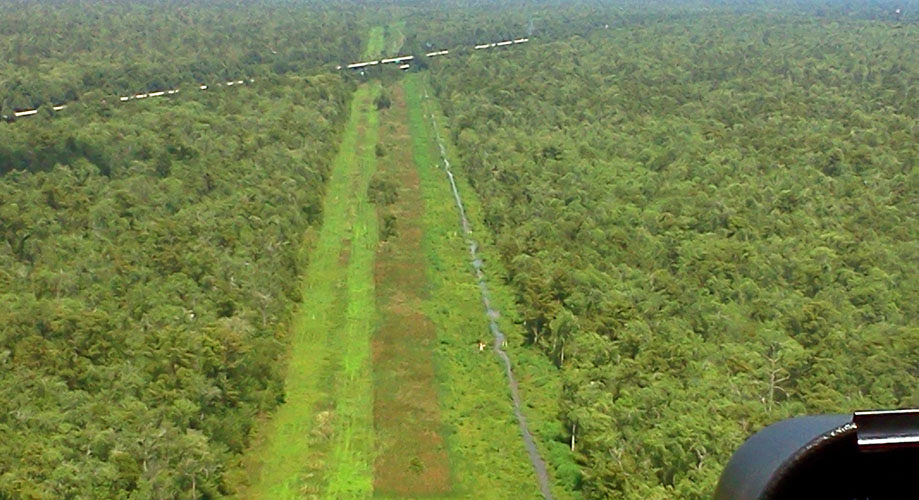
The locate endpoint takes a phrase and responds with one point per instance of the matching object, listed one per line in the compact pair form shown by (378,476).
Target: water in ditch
(539,465)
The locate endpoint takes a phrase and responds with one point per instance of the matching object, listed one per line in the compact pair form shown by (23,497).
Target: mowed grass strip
(352,447)
(486,450)
(412,456)
(284,463)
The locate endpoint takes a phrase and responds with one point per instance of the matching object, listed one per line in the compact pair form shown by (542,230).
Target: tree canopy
(148,265)
(710,223)
(707,211)
(58,51)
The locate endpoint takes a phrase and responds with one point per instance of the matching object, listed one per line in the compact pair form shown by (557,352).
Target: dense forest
(711,225)
(437,24)
(57,51)
(707,211)
(148,262)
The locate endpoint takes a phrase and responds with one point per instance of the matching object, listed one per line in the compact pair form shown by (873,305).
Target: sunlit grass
(321,441)
(351,461)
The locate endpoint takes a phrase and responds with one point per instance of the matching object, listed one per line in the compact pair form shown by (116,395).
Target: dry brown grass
(412,456)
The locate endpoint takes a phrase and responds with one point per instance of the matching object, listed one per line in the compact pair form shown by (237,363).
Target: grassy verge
(294,449)
(491,461)
(375,43)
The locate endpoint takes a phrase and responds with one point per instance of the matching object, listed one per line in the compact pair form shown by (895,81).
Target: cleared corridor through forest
(387,394)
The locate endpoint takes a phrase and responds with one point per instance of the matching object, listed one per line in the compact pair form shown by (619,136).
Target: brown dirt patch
(344,255)
(413,457)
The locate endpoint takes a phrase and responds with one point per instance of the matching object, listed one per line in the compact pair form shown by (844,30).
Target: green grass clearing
(321,443)
(351,466)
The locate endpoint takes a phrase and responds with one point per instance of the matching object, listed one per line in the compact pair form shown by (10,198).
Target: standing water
(539,465)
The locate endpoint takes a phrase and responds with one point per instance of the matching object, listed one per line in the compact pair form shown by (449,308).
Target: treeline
(148,265)
(438,24)
(711,225)
(59,51)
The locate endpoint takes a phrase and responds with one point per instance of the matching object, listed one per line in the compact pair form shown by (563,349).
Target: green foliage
(148,265)
(707,217)
(389,228)
(61,51)
(710,224)
(308,444)
(382,190)
(383,101)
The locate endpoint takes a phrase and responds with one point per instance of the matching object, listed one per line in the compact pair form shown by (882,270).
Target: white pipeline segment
(402,61)
(362,64)
(435,53)
(397,59)
(126,98)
